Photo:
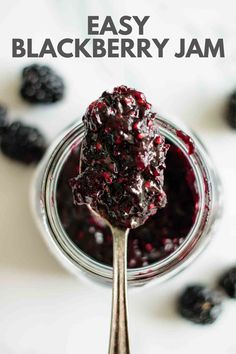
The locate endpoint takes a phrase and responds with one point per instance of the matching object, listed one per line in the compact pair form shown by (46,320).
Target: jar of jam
(157,250)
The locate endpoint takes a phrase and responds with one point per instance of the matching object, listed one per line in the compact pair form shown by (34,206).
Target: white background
(45,310)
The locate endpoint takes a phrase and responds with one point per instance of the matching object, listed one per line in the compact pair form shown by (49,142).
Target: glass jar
(76,261)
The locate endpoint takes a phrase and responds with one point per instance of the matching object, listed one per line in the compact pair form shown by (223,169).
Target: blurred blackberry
(23,143)
(228,282)
(231,111)
(40,84)
(200,305)
(3,119)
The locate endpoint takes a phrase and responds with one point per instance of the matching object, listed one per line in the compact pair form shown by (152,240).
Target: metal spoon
(119,334)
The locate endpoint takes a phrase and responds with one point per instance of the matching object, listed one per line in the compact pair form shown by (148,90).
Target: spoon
(127,150)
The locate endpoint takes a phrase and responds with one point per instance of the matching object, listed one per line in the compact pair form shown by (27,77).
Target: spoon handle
(119,337)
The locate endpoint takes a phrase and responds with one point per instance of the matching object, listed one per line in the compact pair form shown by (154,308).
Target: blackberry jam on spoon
(121,179)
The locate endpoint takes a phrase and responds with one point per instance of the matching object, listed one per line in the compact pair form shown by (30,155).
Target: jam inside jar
(161,234)
(157,250)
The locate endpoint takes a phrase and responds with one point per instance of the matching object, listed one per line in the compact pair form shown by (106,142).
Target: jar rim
(206,185)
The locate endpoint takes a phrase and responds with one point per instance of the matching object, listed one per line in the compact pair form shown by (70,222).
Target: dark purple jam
(161,234)
(123,158)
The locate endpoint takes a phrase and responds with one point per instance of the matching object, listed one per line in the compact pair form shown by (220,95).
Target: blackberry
(40,84)
(228,282)
(231,111)
(23,143)
(3,119)
(200,304)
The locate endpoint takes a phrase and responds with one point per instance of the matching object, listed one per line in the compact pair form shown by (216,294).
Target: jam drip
(123,158)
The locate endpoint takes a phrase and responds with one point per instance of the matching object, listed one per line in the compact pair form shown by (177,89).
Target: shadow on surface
(22,247)
(210,116)
(10,96)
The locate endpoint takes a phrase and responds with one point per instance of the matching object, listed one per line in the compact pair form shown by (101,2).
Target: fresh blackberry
(40,84)
(200,304)
(231,111)
(23,143)
(3,119)
(228,282)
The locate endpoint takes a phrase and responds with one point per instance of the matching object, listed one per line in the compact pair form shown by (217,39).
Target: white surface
(43,309)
